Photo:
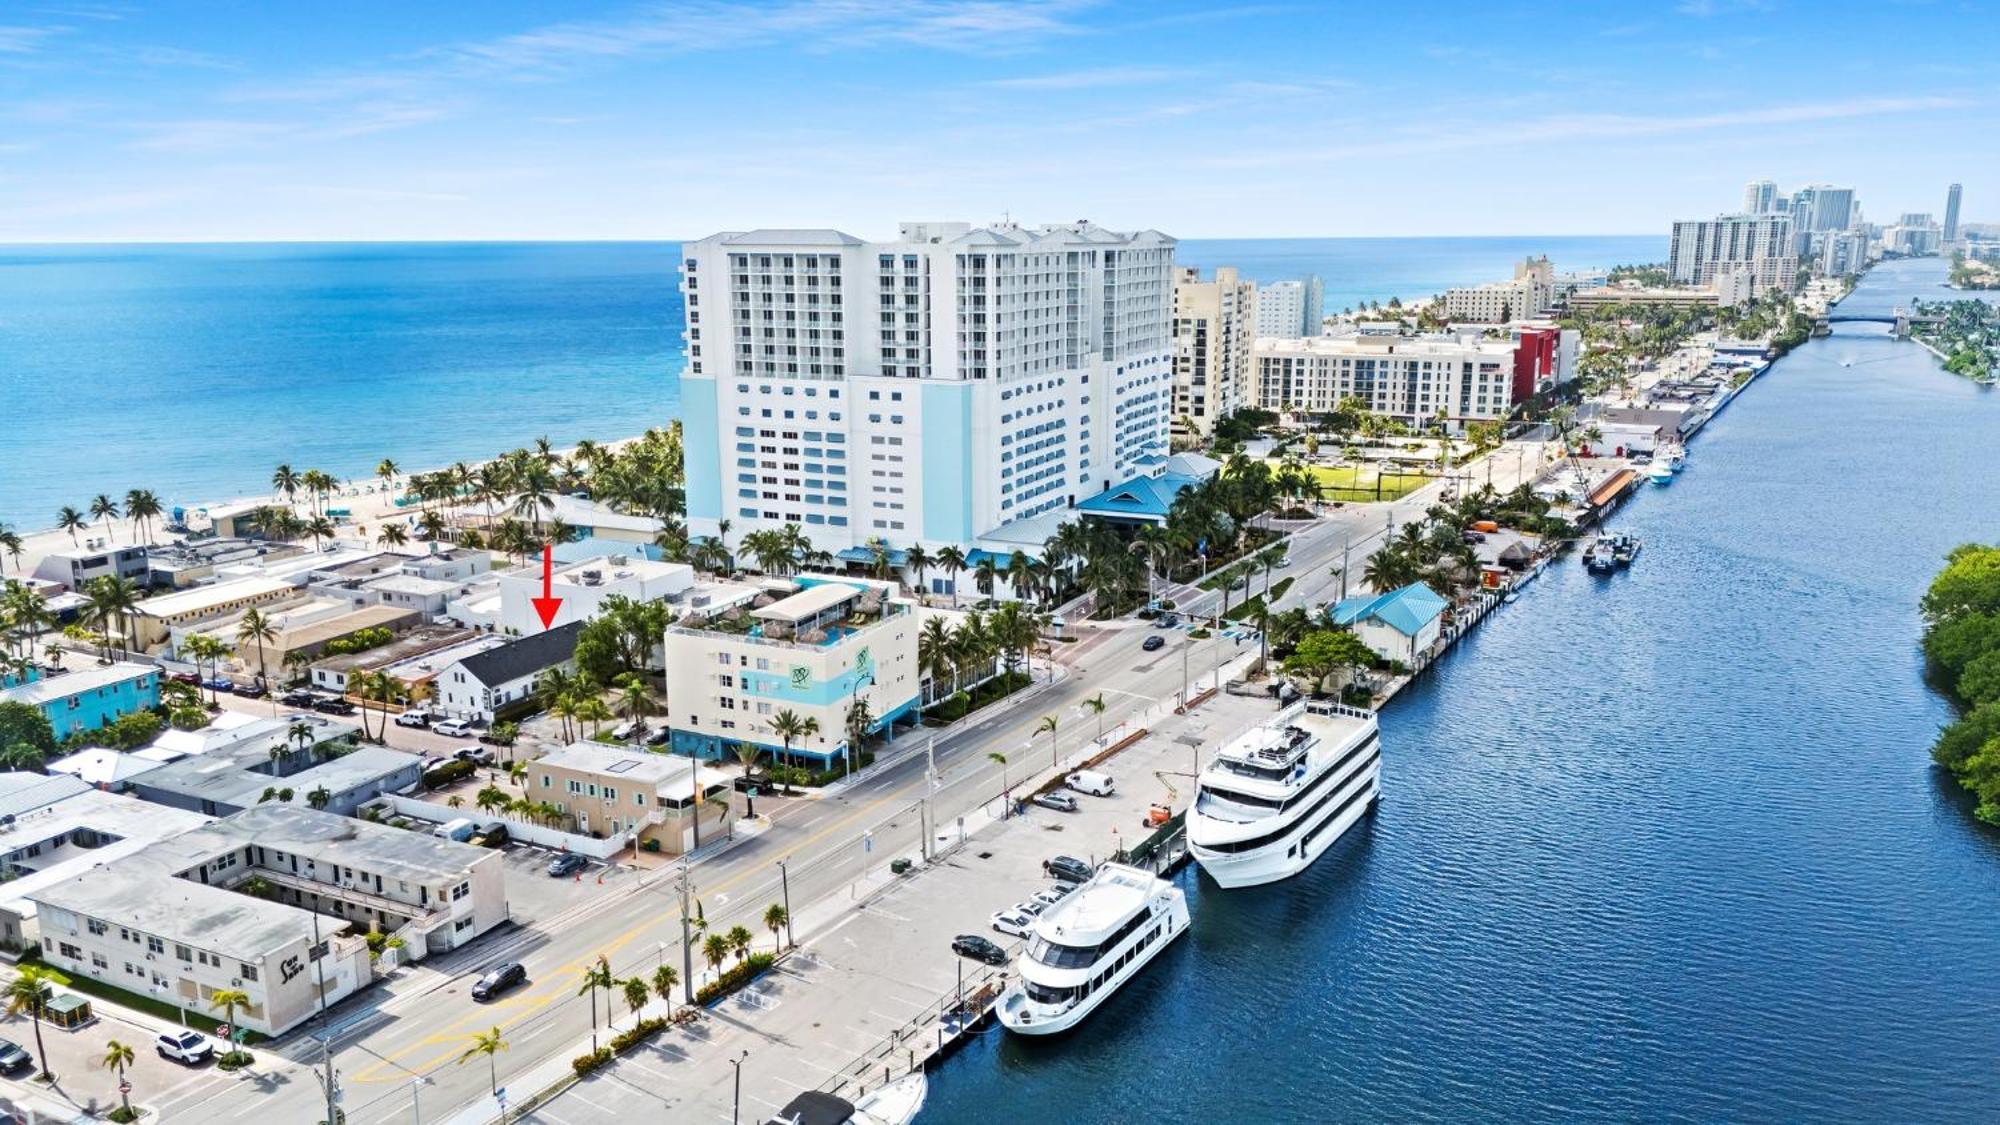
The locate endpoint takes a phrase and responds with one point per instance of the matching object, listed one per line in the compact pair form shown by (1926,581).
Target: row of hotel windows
(100,928)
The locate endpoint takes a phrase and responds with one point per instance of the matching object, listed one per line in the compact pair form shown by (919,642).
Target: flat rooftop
(809,602)
(632,566)
(426,664)
(393,853)
(134,893)
(641,767)
(89,678)
(230,778)
(203,598)
(422,639)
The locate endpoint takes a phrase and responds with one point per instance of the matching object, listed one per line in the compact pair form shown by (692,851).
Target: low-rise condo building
(92,697)
(1290,308)
(1412,379)
(497,680)
(585,586)
(835,643)
(611,791)
(274,902)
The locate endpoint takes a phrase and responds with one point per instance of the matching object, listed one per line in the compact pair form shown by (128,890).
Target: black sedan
(1154,643)
(979,949)
(568,863)
(13,1058)
(499,979)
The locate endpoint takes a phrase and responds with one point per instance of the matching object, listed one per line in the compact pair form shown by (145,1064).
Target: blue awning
(866,556)
(1000,558)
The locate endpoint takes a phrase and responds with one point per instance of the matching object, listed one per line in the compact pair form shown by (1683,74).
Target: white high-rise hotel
(930,389)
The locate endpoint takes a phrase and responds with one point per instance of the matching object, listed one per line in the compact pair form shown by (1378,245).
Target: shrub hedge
(744,971)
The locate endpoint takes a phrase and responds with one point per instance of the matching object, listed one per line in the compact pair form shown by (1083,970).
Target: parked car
(1239,582)
(252,691)
(489,738)
(294,698)
(499,979)
(459,830)
(1054,893)
(1472,537)
(624,731)
(1154,644)
(1284,562)
(1091,782)
(452,728)
(491,834)
(1067,868)
(190,1048)
(1032,907)
(659,737)
(333,707)
(13,1058)
(978,948)
(414,717)
(219,683)
(1061,802)
(1166,621)
(185,678)
(433,763)
(478,755)
(566,864)
(1013,922)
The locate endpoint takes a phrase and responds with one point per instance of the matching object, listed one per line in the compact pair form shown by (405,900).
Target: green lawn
(1354,483)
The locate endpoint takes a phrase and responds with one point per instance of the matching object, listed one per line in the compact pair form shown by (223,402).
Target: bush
(742,973)
(449,772)
(633,1036)
(234,1060)
(584,1064)
(122,1115)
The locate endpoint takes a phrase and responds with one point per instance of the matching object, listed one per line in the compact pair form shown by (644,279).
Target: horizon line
(494,241)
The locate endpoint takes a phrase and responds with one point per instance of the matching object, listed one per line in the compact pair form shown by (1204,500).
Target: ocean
(194,370)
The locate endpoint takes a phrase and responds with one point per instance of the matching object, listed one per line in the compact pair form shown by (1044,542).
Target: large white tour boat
(1087,946)
(1281,794)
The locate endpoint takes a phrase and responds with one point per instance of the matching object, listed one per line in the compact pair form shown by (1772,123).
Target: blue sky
(230,119)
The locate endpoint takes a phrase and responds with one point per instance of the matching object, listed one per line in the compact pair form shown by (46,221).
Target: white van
(460,830)
(1091,782)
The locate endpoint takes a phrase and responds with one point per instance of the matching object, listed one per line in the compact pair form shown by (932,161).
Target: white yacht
(1281,794)
(1088,945)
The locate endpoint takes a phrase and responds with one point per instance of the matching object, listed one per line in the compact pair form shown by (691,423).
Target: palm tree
(10,542)
(1048,726)
(285,483)
(664,981)
(596,977)
(951,560)
(715,950)
(489,1043)
(1096,706)
(117,1056)
(320,797)
(775,917)
(318,528)
(392,535)
(256,629)
(104,508)
(110,598)
(634,701)
(918,562)
(935,654)
(635,995)
(72,521)
(860,720)
(141,507)
(28,992)
(739,941)
(747,753)
(387,471)
(227,1000)
(1006,790)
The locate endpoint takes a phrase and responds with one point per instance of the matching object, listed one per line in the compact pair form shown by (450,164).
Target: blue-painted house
(1398,625)
(91,698)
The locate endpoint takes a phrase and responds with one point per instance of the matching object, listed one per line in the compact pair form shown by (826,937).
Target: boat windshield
(1043,994)
(1254,770)
(1059,956)
(1227,804)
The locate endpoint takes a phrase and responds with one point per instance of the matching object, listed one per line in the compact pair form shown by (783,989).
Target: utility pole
(687,937)
(1185,646)
(785,884)
(326,1078)
(694,802)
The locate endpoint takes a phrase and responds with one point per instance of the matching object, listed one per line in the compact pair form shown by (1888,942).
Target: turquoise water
(1660,847)
(193,370)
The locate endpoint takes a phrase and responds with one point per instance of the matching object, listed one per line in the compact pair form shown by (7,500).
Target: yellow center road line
(459,1030)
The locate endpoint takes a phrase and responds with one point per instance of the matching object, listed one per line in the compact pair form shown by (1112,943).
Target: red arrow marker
(546,606)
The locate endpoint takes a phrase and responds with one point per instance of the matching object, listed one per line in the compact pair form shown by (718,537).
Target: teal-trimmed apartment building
(92,698)
(813,652)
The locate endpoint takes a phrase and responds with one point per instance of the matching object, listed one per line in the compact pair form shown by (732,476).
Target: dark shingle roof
(526,656)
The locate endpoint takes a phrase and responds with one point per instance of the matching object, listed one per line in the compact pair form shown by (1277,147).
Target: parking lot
(869,978)
(83,1084)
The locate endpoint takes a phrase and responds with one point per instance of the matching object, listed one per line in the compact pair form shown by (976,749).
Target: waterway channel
(1666,846)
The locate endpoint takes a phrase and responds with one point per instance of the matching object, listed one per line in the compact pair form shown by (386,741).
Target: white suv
(414,717)
(452,728)
(189,1047)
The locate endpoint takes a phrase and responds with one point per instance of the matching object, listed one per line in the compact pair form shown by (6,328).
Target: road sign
(124,1087)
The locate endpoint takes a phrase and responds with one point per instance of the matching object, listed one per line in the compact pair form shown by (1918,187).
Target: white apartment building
(177,920)
(1411,379)
(1759,197)
(1291,308)
(1527,293)
(585,586)
(1761,244)
(928,389)
(1214,322)
(814,653)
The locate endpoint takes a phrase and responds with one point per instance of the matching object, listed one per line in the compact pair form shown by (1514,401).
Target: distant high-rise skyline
(1760,197)
(1951,200)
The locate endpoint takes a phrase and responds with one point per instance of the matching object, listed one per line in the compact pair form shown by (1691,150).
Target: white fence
(518,829)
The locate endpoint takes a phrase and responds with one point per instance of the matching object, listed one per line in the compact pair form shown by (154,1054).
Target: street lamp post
(736,1108)
(785,887)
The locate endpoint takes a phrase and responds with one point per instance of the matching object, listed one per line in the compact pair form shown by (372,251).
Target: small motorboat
(1624,549)
(896,1103)
(1598,557)
(1675,460)
(1659,474)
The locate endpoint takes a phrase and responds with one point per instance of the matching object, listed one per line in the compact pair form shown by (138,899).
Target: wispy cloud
(21,39)
(1093,79)
(206,135)
(1599,126)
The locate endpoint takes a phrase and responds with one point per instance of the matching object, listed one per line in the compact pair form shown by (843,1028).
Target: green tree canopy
(22,723)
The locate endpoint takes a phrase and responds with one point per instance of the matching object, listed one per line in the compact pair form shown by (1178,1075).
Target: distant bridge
(1899,320)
